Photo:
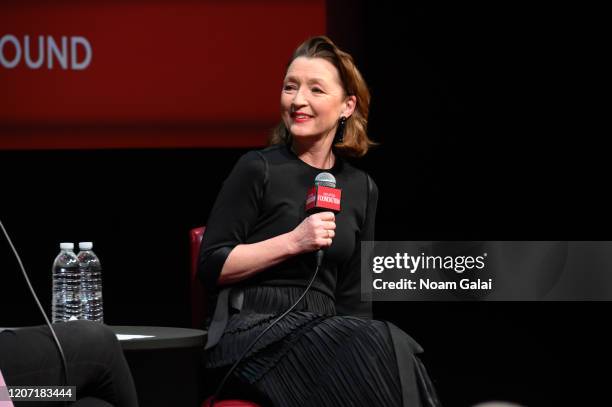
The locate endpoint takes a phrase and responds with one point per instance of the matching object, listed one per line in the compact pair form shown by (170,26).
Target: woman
(95,361)
(257,258)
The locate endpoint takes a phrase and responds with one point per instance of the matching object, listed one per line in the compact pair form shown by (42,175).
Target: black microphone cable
(42,311)
(319,258)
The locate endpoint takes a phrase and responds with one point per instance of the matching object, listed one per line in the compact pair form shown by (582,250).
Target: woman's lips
(300,118)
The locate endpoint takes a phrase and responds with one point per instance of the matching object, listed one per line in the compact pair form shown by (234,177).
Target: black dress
(328,351)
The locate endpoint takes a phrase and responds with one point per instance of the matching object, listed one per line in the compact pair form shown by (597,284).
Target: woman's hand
(315,232)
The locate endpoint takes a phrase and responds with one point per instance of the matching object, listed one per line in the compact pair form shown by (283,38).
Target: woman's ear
(349,106)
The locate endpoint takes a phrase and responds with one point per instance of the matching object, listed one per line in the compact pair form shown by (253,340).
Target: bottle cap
(85,245)
(67,246)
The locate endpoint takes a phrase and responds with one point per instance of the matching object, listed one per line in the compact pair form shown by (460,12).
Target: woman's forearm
(248,259)
(315,232)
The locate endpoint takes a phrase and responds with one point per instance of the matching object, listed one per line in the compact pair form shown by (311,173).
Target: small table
(159,337)
(166,364)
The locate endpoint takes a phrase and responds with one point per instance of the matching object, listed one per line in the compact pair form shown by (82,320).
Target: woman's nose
(299,99)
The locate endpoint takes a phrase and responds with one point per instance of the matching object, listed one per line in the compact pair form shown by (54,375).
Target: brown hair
(356,142)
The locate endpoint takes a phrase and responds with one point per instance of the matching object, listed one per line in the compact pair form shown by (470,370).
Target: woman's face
(313,99)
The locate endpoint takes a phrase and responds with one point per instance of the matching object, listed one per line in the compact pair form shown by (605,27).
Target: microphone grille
(325,179)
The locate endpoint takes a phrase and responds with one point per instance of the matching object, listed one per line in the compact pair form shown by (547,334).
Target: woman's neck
(317,153)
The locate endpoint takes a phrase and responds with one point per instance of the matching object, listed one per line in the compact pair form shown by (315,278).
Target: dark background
(485,134)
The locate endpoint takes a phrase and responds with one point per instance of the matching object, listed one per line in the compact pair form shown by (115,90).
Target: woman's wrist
(293,247)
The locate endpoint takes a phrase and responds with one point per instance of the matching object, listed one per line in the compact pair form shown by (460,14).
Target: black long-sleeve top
(264,196)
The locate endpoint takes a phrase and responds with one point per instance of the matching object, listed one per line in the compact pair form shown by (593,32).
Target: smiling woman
(324,91)
(257,259)
(313,98)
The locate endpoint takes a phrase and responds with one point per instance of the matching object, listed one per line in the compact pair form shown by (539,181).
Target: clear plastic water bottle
(91,283)
(66,301)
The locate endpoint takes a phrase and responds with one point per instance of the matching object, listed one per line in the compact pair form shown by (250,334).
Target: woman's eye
(316,90)
(289,87)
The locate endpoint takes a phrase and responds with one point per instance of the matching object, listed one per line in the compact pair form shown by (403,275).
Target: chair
(198,311)
(198,303)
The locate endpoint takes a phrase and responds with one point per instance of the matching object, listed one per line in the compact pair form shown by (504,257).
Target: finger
(327,216)
(323,242)
(331,234)
(329,225)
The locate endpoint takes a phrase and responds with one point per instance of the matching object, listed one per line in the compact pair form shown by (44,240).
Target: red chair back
(198,304)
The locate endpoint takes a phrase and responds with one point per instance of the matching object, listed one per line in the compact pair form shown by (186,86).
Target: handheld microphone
(323,197)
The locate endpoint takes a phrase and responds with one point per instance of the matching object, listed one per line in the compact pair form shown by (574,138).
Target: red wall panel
(161,73)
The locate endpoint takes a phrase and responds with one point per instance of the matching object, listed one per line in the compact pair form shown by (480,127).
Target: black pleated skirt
(313,357)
